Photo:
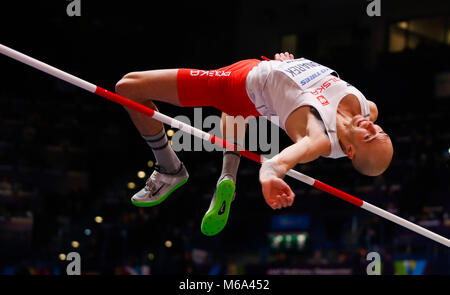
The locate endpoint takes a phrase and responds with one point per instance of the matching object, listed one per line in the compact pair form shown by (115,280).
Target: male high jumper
(323,115)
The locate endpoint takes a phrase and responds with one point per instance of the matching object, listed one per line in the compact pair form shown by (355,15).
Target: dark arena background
(69,160)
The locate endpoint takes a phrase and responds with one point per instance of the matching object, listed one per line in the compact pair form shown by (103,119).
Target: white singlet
(277,88)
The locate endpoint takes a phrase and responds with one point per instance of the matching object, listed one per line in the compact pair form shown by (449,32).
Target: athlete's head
(369,147)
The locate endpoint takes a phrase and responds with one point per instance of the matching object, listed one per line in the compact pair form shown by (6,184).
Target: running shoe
(216,217)
(159,186)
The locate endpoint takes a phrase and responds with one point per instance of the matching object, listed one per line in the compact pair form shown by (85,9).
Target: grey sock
(230,165)
(164,154)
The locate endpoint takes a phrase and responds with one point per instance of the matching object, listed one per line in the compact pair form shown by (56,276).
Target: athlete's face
(363,131)
(370,147)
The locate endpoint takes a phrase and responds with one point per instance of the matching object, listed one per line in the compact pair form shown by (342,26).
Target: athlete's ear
(350,150)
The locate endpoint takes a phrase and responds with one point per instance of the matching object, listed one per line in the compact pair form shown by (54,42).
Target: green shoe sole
(160,200)
(216,218)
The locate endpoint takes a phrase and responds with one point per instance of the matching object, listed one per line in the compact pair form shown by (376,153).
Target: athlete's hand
(277,193)
(284,56)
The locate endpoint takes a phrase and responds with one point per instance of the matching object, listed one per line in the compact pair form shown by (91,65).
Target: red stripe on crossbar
(124,101)
(220,142)
(340,194)
(223,143)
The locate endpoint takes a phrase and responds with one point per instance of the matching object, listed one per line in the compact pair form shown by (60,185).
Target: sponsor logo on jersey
(325,85)
(200,73)
(318,91)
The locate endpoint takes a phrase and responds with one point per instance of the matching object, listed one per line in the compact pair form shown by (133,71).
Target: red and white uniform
(277,88)
(270,88)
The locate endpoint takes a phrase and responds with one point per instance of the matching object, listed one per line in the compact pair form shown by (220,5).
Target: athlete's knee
(129,85)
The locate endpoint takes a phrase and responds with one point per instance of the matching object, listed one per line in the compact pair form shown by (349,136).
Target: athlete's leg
(223,89)
(143,88)
(215,219)
(233,130)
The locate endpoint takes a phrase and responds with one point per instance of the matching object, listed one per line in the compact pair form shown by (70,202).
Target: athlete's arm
(276,192)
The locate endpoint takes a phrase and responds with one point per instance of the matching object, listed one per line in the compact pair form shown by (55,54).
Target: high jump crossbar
(216,140)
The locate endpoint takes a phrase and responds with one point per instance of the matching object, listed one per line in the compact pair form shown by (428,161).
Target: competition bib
(303,72)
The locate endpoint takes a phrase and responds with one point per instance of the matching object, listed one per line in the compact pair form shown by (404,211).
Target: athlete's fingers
(291,56)
(275,205)
(273,202)
(289,195)
(288,191)
(290,201)
(278,202)
(280,199)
